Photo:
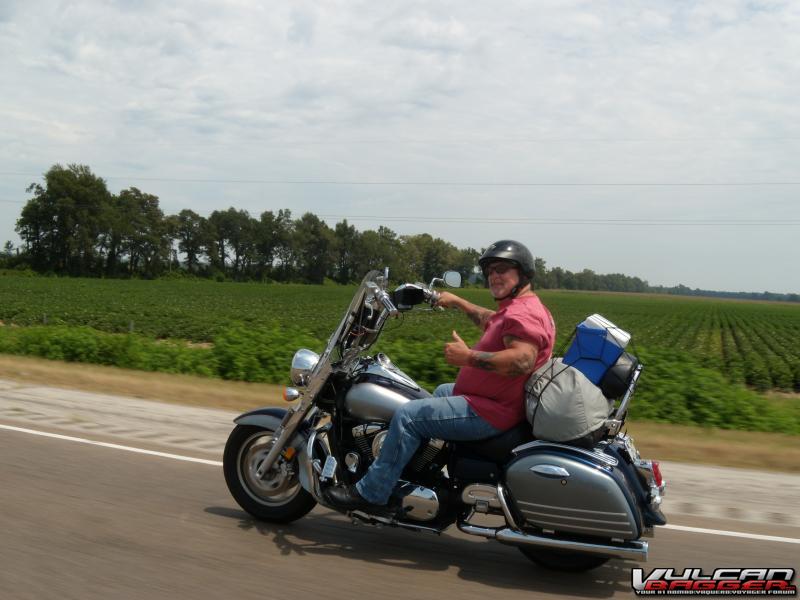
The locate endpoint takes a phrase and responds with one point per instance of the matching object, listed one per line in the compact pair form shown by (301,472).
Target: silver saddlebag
(569,490)
(562,404)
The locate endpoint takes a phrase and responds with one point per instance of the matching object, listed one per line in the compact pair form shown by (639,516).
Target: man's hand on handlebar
(448,300)
(477,314)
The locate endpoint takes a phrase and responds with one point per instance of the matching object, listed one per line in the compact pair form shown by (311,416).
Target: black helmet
(512,252)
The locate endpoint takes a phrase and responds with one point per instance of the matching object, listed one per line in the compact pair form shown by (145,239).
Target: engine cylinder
(373,402)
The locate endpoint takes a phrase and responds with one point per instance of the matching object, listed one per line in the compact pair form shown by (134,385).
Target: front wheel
(572,562)
(277,497)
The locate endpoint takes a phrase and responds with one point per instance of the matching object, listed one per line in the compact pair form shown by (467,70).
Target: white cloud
(302,27)
(561,91)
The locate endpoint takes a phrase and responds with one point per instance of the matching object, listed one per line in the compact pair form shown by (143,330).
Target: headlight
(303,362)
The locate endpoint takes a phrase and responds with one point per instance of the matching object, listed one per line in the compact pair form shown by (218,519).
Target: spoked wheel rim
(276,488)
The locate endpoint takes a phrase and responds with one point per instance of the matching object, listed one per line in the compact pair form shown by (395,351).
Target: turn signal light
(290,394)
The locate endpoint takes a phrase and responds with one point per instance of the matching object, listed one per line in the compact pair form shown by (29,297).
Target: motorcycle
(565,507)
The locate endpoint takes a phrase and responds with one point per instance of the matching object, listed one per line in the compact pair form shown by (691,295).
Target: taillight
(657,474)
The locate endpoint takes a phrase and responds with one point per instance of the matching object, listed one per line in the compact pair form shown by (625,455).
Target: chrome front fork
(292,421)
(281,438)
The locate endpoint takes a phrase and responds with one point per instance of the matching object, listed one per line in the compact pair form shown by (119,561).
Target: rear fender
(271,418)
(651,515)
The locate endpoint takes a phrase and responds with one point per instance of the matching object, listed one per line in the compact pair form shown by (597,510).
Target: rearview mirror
(452,279)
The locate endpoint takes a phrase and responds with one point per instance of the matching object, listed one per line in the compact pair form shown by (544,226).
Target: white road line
(751,536)
(202,461)
(215,463)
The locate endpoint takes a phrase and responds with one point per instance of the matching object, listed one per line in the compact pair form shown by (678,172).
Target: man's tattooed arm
(521,366)
(479,315)
(517,359)
(482,360)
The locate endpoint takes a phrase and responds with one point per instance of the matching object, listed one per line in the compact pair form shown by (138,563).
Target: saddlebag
(568,490)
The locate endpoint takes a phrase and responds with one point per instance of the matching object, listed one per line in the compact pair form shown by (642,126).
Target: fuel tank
(571,490)
(380,389)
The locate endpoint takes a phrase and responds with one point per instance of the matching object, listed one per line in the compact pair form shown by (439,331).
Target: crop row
(756,344)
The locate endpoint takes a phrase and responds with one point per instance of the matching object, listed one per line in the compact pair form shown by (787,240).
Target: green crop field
(711,362)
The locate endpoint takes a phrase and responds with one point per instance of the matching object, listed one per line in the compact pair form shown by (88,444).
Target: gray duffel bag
(562,404)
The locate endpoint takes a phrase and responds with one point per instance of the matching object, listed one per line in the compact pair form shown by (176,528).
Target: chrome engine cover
(382,388)
(419,503)
(569,491)
(373,402)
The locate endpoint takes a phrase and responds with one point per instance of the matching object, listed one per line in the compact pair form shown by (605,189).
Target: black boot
(348,498)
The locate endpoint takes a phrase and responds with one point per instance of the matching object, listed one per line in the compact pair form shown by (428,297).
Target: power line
(566,221)
(444,183)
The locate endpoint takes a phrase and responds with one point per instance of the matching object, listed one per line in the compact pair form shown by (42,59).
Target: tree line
(73,225)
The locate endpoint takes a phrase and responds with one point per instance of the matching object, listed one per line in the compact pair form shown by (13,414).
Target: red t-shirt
(494,397)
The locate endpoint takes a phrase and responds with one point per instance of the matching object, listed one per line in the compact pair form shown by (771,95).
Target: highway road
(84,521)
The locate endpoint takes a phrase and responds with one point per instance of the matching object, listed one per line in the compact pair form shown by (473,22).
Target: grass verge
(189,390)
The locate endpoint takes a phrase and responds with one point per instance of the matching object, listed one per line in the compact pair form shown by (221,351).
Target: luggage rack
(614,424)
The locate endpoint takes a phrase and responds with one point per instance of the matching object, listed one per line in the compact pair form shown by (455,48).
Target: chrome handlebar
(386,300)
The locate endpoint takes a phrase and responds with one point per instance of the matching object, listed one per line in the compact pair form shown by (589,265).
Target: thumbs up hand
(456,352)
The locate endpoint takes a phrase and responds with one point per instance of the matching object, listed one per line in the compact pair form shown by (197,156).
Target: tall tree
(218,233)
(146,240)
(313,242)
(346,240)
(376,250)
(428,257)
(285,254)
(189,230)
(466,263)
(62,224)
(265,243)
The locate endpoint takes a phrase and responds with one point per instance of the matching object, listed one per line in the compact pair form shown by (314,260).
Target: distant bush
(674,388)
(84,344)
(260,353)
(239,352)
(19,271)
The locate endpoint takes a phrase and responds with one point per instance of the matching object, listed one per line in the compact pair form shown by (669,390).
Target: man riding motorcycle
(487,396)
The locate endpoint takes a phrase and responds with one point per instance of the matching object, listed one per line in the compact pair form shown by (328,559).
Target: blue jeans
(442,417)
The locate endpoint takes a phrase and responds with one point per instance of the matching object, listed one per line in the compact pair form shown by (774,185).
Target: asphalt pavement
(700,491)
(119,517)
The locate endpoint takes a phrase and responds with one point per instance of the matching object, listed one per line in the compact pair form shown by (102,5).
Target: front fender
(271,418)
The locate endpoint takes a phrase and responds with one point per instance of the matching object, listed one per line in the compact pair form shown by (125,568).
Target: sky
(658,139)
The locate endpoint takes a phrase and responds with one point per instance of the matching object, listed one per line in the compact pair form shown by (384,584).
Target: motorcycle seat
(497,448)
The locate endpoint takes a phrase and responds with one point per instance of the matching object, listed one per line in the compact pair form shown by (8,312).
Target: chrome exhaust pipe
(485,532)
(633,550)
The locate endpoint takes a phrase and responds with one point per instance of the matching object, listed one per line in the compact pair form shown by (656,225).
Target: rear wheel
(278,496)
(556,560)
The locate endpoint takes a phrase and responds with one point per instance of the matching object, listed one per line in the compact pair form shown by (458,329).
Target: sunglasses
(499,268)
